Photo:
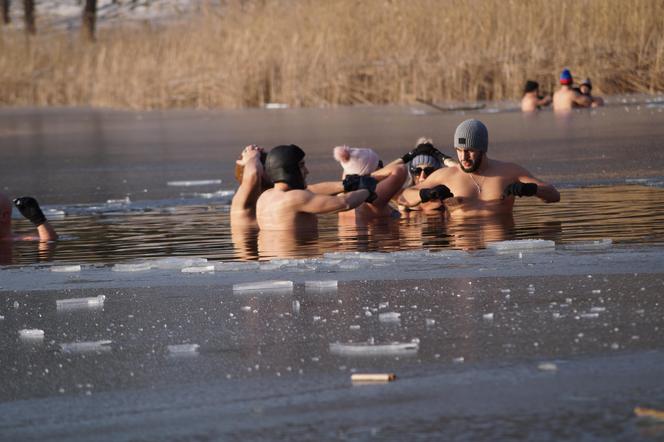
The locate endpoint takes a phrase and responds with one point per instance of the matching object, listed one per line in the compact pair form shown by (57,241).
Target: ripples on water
(626,214)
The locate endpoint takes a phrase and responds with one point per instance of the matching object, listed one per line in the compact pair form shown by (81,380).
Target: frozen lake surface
(149,320)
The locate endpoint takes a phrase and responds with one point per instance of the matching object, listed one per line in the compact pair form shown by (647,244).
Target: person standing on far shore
(566,98)
(532,100)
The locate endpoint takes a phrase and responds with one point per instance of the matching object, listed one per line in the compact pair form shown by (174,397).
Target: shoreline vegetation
(247,53)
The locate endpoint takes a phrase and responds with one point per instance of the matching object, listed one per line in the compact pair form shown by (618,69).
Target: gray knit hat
(471,134)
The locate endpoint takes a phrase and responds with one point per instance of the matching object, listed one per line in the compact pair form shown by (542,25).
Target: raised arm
(29,208)
(319,204)
(391,183)
(244,200)
(326,187)
(582,100)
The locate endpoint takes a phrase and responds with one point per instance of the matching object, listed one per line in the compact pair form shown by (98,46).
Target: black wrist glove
(439,192)
(368,182)
(421,149)
(351,182)
(520,189)
(29,208)
(441,156)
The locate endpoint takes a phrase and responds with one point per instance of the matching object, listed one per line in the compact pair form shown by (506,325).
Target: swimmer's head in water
(422,166)
(356,160)
(471,140)
(283,166)
(566,77)
(531,86)
(586,86)
(239,169)
(471,134)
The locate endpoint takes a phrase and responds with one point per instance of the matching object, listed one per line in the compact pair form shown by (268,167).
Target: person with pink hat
(362,162)
(566,98)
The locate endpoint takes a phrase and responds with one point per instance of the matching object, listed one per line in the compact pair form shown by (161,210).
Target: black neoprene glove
(421,149)
(520,189)
(351,182)
(368,182)
(439,192)
(29,208)
(441,156)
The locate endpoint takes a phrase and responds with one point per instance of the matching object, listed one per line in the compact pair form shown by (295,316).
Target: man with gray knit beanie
(479,186)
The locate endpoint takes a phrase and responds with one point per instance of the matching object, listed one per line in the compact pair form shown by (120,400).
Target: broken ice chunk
(175,262)
(321,285)
(389,317)
(236,266)
(64,269)
(521,245)
(547,366)
(31,334)
(103,346)
(183,349)
(199,269)
(589,245)
(270,285)
(137,267)
(369,349)
(80,303)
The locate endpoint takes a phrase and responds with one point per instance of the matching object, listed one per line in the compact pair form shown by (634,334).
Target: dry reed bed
(311,53)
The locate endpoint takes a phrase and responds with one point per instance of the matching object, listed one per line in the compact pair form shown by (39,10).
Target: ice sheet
(263,286)
(80,303)
(370,349)
(103,346)
(321,285)
(137,267)
(521,245)
(183,349)
(65,269)
(199,269)
(31,334)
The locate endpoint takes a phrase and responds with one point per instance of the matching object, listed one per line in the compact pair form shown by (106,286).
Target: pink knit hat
(356,160)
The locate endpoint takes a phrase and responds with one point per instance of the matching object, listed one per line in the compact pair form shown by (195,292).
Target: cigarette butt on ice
(373,377)
(649,412)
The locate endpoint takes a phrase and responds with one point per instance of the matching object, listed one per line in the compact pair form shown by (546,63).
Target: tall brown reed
(311,53)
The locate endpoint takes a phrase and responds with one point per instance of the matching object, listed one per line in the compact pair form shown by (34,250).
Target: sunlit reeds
(313,53)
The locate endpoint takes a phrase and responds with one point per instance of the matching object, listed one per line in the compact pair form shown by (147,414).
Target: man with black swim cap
(290,205)
(479,186)
(532,100)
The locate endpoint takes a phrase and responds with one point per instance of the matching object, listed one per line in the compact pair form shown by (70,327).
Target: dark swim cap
(530,86)
(283,166)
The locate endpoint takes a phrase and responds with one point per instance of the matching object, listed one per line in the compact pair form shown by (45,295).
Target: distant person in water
(585,88)
(290,205)
(532,100)
(29,208)
(567,98)
(358,163)
(480,186)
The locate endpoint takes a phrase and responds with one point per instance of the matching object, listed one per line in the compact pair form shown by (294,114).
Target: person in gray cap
(480,186)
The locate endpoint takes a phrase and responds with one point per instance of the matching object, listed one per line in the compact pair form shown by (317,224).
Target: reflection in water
(625,214)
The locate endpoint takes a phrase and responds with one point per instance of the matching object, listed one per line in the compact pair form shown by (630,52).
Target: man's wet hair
(531,86)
